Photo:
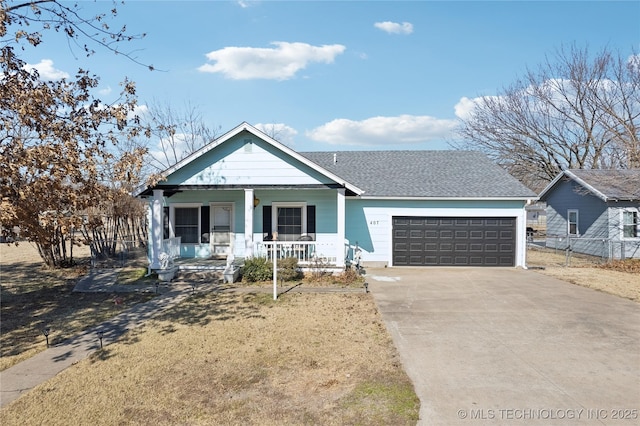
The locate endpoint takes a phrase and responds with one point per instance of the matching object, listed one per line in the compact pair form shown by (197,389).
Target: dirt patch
(618,278)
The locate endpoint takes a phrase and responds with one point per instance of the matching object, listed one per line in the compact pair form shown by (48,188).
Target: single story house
(594,212)
(246,194)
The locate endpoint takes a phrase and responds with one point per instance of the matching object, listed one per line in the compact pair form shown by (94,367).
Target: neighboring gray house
(594,212)
(246,194)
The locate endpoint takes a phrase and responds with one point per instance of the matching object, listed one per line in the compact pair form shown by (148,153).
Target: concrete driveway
(511,346)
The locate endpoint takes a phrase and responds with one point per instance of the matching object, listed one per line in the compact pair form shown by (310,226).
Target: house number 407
(374,222)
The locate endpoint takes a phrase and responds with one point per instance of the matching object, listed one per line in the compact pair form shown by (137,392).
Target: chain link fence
(599,250)
(119,253)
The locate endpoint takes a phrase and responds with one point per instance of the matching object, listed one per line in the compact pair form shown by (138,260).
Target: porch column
(156,228)
(340,253)
(248,222)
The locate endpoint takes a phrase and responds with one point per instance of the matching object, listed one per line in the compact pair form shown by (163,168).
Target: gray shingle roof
(613,184)
(440,174)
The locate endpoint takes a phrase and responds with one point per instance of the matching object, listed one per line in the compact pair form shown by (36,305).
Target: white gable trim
(576,179)
(257,133)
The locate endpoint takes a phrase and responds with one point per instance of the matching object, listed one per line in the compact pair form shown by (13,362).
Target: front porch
(311,255)
(244,223)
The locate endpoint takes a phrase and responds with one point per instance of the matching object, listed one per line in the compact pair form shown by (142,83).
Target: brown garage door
(454,241)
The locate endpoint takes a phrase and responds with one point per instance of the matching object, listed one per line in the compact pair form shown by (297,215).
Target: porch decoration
(167,270)
(231,272)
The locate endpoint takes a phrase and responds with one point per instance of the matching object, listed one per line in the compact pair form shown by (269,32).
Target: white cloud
(139,111)
(464,107)
(278,131)
(394,27)
(46,70)
(384,130)
(281,62)
(106,91)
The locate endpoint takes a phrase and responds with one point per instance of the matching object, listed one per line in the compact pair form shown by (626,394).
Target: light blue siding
(325,201)
(246,160)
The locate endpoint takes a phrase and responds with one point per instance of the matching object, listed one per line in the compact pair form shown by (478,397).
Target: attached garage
(454,241)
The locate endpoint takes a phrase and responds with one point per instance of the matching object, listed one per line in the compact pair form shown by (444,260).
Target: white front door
(222,234)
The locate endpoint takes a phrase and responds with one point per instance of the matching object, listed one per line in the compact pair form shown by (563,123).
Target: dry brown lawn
(618,278)
(231,358)
(236,358)
(33,298)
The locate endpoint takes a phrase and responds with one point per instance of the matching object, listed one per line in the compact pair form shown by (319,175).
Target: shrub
(257,269)
(348,276)
(288,269)
(261,269)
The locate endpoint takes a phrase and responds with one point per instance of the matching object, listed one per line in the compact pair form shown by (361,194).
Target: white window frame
(623,224)
(577,222)
(274,214)
(172,225)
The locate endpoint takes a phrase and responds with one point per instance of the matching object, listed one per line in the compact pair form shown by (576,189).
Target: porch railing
(307,252)
(171,246)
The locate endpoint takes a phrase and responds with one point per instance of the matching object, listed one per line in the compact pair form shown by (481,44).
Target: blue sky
(339,75)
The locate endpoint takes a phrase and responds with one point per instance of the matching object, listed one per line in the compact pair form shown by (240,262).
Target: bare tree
(574,111)
(176,134)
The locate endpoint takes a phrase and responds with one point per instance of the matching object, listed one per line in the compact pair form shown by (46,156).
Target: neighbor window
(187,221)
(629,224)
(572,222)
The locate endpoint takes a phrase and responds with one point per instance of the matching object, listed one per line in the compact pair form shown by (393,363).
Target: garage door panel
(445,234)
(452,241)
(400,233)
(445,261)
(416,247)
(461,234)
(490,235)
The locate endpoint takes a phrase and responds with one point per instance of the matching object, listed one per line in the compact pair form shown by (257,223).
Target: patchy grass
(135,275)
(620,278)
(378,401)
(34,298)
(229,358)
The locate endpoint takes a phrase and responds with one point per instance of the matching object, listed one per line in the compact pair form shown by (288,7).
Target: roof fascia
(567,173)
(449,198)
(551,184)
(588,187)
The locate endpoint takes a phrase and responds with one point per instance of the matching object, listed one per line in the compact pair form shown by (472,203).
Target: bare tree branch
(573,112)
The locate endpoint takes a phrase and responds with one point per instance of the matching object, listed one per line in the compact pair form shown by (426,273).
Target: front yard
(621,278)
(229,358)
